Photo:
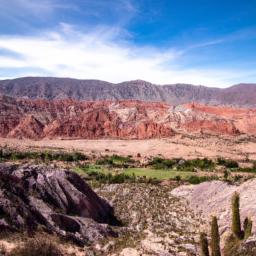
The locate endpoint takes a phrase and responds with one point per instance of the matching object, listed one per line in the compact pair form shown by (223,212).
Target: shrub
(227,163)
(199,179)
(38,246)
(162,163)
(247,169)
(44,156)
(178,178)
(115,161)
(237,178)
(191,165)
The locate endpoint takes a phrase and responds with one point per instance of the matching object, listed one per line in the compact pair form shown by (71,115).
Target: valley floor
(188,147)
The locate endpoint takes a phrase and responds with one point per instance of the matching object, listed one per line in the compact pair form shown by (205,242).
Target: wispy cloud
(239,35)
(100,54)
(42,7)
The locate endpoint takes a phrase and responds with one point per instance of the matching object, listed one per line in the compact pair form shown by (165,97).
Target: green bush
(227,163)
(247,169)
(162,163)
(115,161)
(192,165)
(199,179)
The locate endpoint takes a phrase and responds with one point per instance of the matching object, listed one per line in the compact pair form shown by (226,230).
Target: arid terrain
(188,147)
(124,176)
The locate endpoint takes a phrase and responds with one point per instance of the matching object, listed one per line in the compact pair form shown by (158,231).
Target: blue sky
(166,41)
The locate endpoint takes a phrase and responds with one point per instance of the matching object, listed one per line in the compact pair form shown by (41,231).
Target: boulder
(59,201)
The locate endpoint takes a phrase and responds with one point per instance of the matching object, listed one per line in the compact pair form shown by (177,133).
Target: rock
(57,200)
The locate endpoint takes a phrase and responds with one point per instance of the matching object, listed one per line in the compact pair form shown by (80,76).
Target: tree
(236,224)
(204,251)
(215,237)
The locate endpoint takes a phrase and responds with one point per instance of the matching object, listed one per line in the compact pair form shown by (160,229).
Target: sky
(202,42)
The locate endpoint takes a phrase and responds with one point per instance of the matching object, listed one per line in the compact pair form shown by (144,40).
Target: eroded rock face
(37,119)
(57,200)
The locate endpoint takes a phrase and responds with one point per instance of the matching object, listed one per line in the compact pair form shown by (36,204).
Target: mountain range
(240,95)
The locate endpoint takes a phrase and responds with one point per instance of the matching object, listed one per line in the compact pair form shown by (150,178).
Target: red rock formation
(36,119)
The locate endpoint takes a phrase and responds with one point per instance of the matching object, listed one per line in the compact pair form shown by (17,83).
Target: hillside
(242,95)
(37,119)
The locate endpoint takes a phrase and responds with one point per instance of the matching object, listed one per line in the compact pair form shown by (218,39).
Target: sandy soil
(187,147)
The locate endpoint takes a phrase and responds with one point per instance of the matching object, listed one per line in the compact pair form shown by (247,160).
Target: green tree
(215,237)
(204,250)
(236,224)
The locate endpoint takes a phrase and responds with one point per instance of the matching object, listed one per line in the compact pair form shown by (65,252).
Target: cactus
(204,251)
(236,224)
(215,238)
(247,227)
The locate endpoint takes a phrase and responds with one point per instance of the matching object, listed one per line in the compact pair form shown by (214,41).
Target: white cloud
(99,54)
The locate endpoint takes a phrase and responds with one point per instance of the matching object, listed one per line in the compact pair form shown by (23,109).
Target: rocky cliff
(37,119)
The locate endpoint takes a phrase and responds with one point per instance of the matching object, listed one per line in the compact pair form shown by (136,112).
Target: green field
(138,172)
(158,174)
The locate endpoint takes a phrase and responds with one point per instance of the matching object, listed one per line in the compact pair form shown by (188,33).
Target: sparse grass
(37,246)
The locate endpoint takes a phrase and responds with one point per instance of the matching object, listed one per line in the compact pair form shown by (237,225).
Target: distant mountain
(241,95)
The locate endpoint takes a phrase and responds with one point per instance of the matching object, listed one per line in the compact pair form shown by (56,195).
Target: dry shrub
(42,246)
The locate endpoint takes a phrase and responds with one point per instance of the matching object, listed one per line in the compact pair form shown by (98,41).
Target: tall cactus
(204,250)
(236,224)
(215,237)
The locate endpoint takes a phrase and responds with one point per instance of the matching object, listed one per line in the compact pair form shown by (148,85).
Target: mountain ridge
(51,88)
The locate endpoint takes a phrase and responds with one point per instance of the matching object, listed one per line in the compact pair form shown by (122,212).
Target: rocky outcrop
(242,95)
(37,119)
(59,201)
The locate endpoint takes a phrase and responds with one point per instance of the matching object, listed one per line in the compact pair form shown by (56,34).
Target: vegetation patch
(6,155)
(116,161)
(228,163)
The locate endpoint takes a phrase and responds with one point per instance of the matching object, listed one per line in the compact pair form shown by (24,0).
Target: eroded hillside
(37,119)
